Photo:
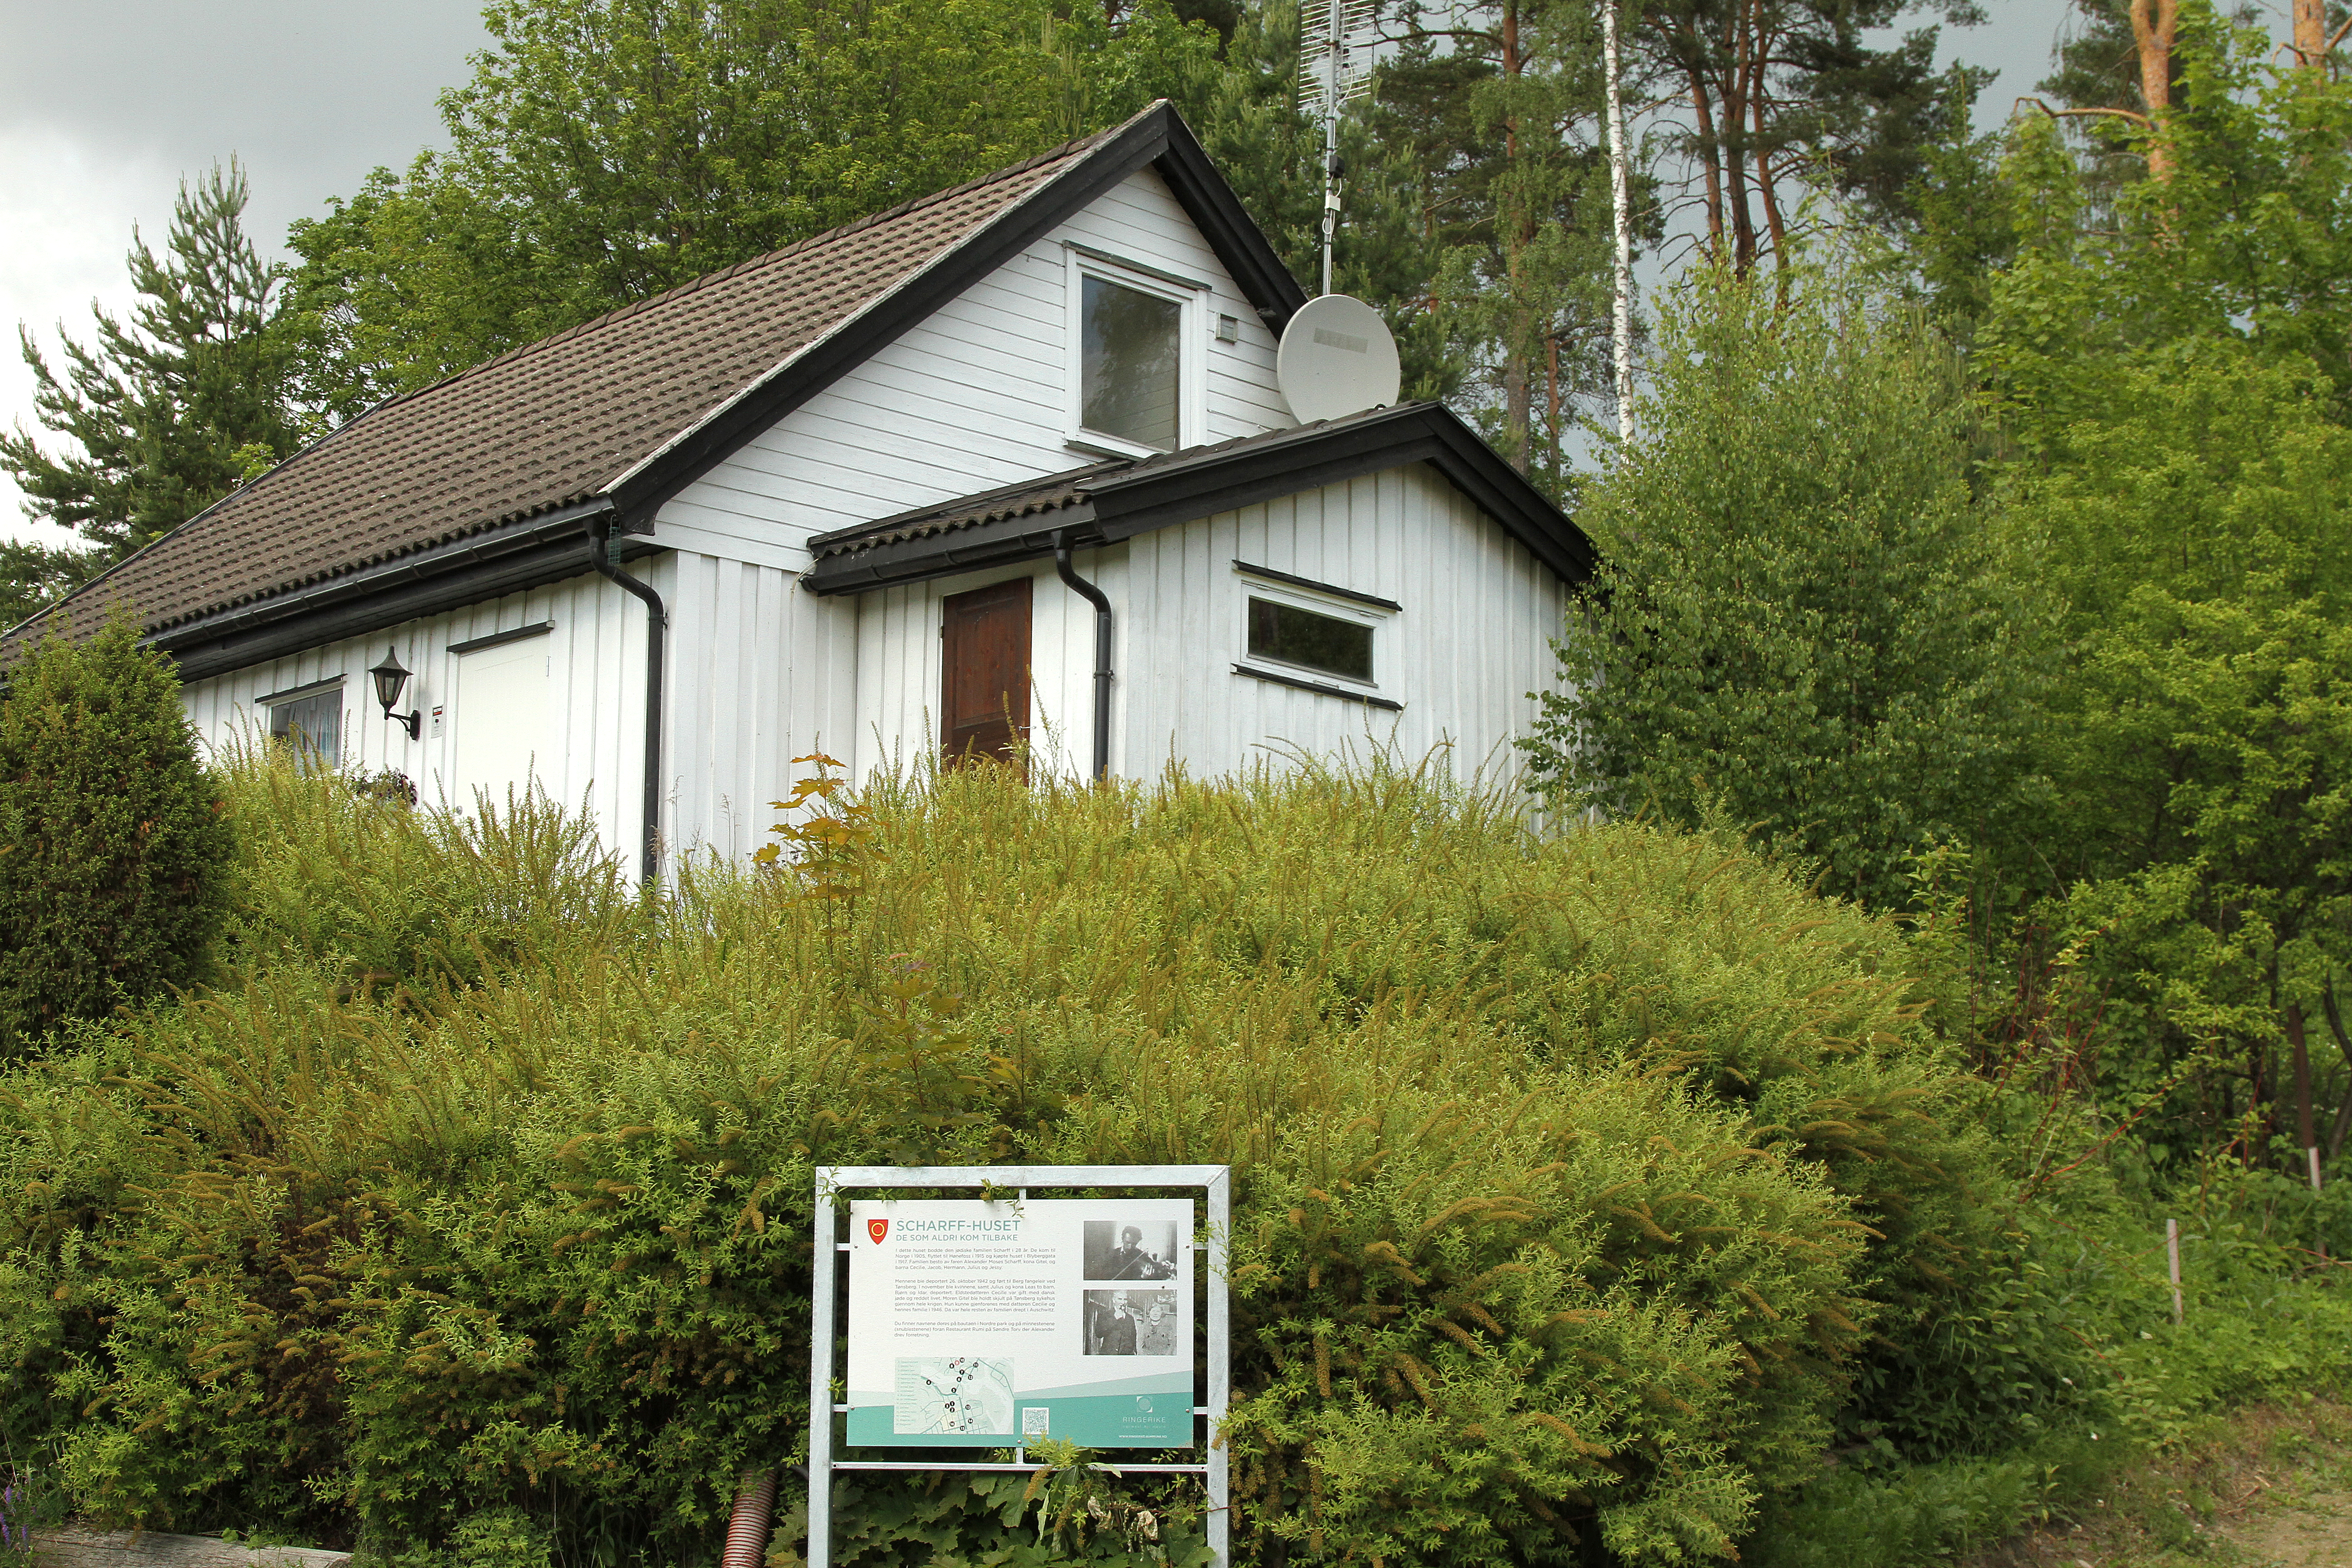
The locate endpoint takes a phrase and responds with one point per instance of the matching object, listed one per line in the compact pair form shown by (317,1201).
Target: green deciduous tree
(169,411)
(2172,359)
(2200,533)
(1803,624)
(113,843)
(606,150)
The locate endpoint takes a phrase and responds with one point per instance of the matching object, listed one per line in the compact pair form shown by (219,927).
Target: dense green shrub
(113,842)
(347,877)
(1570,1175)
(1803,622)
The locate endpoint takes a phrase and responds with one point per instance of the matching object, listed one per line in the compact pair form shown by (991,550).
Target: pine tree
(1783,89)
(113,843)
(1499,105)
(171,411)
(33,576)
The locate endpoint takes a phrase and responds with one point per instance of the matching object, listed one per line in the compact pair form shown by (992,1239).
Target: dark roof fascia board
(1005,543)
(1156,137)
(1156,500)
(450,555)
(1505,495)
(1204,195)
(1125,504)
(1155,497)
(531,559)
(1122,505)
(14,634)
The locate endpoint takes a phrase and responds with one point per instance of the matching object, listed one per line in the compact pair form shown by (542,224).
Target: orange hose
(747,1527)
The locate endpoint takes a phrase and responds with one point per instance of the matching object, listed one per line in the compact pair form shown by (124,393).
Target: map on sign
(965,1395)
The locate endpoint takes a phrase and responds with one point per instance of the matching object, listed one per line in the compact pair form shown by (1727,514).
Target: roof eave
(1005,541)
(1120,506)
(524,553)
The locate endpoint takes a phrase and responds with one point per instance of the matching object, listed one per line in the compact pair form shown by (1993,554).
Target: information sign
(980,1324)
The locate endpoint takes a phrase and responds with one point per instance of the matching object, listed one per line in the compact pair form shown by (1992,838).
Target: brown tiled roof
(545,426)
(1027,498)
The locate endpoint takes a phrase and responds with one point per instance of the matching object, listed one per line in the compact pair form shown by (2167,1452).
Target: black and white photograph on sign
(1116,1249)
(1131,1322)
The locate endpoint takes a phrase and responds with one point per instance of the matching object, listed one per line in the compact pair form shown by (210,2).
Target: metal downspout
(1094,596)
(600,535)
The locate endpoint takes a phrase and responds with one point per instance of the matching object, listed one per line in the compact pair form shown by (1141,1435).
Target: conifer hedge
(1572,1176)
(114,843)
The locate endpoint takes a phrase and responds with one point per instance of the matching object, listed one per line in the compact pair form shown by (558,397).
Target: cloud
(106,104)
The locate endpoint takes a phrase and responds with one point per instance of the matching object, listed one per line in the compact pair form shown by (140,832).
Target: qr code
(1034,1419)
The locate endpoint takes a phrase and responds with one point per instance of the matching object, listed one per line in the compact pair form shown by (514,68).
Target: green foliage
(349,880)
(2243,245)
(1573,1172)
(1803,625)
(2257,1329)
(34,576)
(2171,378)
(164,414)
(113,843)
(1493,113)
(605,151)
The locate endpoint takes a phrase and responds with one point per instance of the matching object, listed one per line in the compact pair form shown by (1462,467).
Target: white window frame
(1192,325)
(270,703)
(1253,587)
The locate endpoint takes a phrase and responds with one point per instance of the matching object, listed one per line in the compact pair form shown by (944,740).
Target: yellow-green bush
(1569,1174)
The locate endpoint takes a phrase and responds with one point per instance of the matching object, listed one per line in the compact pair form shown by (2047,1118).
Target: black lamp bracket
(391,677)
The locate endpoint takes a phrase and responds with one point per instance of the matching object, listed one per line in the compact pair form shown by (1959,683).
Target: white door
(502,728)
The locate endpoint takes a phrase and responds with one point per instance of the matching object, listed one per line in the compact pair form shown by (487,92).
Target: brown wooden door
(984,682)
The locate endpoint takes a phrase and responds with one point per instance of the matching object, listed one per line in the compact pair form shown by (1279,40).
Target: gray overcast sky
(105,104)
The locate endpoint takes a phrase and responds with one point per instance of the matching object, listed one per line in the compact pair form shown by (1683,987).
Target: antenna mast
(1335,64)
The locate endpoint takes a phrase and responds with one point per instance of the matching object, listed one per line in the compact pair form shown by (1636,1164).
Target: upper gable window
(1129,364)
(1136,379)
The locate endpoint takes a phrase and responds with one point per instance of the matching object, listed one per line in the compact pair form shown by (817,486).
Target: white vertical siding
(1472,640)
(597,683)
(759,673)
(973,398)
(898,665)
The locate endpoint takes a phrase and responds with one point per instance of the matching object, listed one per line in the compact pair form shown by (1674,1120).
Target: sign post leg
(825,1267)
(1221,1216)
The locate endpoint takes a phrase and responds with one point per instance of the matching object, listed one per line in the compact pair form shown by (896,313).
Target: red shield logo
(878,1229)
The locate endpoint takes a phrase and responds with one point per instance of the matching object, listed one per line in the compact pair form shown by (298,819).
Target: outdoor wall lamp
(389,677)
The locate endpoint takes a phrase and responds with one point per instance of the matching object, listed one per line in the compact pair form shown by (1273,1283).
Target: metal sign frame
(833,1180)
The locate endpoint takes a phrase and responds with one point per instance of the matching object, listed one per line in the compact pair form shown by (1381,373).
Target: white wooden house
(967,464)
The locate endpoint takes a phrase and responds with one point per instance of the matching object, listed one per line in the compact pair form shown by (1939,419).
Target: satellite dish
(1336,358)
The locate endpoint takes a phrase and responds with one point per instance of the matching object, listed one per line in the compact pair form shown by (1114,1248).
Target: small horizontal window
(314,723)
(1294,636)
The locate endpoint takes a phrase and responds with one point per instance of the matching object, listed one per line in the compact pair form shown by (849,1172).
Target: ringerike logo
(878,1229)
